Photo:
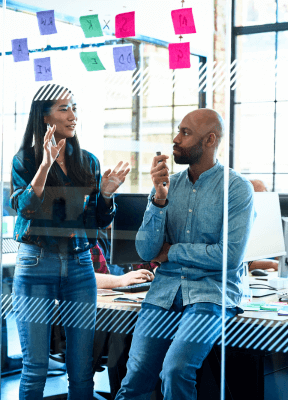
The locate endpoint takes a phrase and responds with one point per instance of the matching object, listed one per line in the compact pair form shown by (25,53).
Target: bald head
(206,121)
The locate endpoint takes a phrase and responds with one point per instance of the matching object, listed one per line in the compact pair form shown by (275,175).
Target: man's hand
(163,255)
(160,173)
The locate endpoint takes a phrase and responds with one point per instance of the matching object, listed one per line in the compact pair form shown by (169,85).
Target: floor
(54,384)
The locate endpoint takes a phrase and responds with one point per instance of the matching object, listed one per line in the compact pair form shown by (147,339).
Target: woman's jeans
(40,278)
(194,329)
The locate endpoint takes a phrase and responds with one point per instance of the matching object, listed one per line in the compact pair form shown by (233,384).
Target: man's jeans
(40,278)
(196,328)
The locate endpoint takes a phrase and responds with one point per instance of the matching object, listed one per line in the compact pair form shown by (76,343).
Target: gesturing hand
(160,173)
(112,180)
(51,152)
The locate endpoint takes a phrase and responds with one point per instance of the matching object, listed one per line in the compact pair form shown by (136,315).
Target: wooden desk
(252,372)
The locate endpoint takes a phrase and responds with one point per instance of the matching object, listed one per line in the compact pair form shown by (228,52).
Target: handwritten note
(91,26)
(124,58)
(183,21)
(91,61)
(20,50)
(46,22)
(125,25)
(179,55)
(42,69)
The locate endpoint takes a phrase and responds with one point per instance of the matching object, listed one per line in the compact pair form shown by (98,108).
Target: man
(183,229)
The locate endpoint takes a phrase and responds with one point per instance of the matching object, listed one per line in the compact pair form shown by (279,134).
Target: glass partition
(128,115)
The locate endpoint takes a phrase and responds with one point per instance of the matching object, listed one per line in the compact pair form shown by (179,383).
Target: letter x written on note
(20,50)
(183,21)
(125,25)
(91,26)
(46,22)
(124,58)
(91,61)
(42,69)
(179,55)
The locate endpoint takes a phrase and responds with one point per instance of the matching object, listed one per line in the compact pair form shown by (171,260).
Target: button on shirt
(65,218)
(192,222)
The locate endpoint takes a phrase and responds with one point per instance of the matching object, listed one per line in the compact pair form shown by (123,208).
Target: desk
(253,370)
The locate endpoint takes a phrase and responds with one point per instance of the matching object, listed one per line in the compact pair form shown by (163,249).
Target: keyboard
(139,287)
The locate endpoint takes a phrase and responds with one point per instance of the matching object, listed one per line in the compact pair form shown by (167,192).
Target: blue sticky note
(20,50)
(124,58)
(42,69)
(46,22)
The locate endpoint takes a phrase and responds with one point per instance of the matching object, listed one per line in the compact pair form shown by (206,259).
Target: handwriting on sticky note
(125,25)
(42,69)
(91,26)
(124,58)
(20,50)
(46,22)
(179,55)
(183,21)
(91,61)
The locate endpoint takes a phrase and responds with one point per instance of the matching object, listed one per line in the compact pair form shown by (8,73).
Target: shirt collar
(207,173)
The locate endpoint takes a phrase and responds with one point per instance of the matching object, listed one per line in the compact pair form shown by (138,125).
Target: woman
(60,200)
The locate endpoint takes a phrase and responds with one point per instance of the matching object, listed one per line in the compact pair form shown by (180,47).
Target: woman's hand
(51,152)
(140,276)
(112,180)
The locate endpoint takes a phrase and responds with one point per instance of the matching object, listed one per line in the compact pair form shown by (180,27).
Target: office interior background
(130,115)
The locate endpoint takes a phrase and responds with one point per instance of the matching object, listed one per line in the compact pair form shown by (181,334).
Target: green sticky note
(91,61)
(91,26)
(4,227)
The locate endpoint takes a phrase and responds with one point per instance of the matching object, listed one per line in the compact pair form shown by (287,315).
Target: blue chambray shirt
(65,218)
(192,222)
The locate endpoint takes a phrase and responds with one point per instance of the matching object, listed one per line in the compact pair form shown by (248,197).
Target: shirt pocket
(210,219)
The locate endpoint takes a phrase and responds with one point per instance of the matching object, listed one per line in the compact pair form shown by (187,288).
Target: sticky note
(124,58)
(46,22)
(91,61)
(179,55)
(42,69)
(91,26)
(20,50)
(125,25)
(183,21)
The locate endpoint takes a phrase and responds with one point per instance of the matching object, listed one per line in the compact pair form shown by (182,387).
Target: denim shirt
(65,218)
(192,222)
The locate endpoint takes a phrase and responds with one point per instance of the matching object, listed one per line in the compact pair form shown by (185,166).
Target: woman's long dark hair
(77,164)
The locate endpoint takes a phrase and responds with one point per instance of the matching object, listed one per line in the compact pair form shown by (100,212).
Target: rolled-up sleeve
(152,232)
(23,199)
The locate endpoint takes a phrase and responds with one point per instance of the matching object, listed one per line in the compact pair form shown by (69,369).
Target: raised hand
(160,173)
(112,180)
(51,152)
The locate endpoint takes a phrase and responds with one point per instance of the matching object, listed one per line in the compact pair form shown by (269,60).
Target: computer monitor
(283,198)
(127,221)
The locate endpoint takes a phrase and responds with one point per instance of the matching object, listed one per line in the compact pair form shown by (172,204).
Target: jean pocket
(26,261)
(84,258)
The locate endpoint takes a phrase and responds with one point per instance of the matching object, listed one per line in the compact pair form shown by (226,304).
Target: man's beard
(191,155)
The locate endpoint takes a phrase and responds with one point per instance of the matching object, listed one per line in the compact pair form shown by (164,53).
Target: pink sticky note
(183,21)
(179,55)
(125,25)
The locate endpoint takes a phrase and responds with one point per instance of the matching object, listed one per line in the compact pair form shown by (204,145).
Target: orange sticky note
(125,25)
(179,55)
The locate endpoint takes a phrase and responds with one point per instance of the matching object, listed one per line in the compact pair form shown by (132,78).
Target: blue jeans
(40,278)
(196,328)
